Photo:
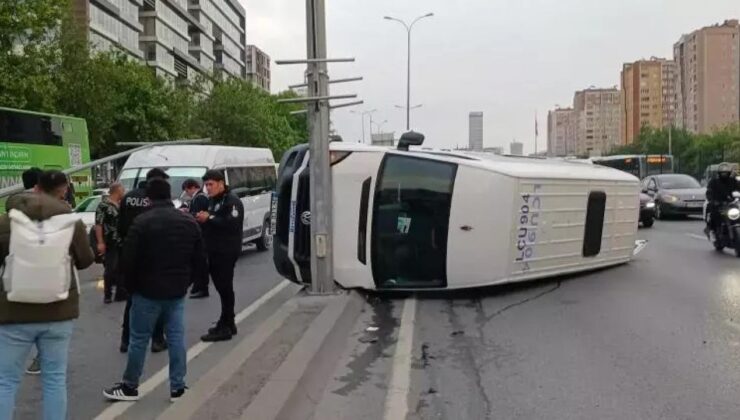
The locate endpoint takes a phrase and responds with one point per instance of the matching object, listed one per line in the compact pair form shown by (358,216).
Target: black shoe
(199,295)
(232,327)
(123,347)
(176,395)
(107,300)
(121,392)
(219,333)
(158,346)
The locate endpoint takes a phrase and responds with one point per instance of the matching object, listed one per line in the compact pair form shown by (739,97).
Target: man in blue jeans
(47,325)
(161,253)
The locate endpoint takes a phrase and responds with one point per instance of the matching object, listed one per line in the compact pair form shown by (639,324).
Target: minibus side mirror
(411,138)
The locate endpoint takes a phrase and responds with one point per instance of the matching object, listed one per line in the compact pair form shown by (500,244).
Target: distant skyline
(509,58)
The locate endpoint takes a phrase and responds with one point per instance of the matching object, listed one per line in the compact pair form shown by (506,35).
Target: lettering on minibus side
(529,219)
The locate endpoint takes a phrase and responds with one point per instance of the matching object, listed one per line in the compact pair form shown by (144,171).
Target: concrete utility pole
(322,264)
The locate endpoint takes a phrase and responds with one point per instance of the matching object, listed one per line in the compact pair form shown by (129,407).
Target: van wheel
(264,243)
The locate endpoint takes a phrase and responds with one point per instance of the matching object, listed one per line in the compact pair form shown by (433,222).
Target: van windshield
(131,177)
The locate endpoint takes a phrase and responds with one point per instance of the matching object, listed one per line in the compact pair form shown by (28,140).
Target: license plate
(695,205)
(273,213)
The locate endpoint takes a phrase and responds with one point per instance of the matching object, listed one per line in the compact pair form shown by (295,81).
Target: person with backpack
(30,179)
(42,245)
(162,252)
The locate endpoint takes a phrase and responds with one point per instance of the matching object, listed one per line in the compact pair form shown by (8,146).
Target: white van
(446,220)
(250,174)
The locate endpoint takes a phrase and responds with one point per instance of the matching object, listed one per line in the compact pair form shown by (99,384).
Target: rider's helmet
(724,170)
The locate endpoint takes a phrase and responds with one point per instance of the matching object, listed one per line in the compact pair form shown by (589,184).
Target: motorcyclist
(719,193)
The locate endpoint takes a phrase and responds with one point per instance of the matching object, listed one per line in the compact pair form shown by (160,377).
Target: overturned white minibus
(448,220)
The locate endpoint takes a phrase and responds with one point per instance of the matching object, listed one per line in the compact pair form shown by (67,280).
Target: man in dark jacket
(50,325)
(134,203)
(222,230)
(194,201)
(719,193)
(162,251)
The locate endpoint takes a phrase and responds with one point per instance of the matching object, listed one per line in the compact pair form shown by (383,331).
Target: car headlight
(650,204)
(669,198)
(733,214)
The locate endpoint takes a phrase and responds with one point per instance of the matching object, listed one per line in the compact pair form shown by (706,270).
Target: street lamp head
(387,18)
(429,15)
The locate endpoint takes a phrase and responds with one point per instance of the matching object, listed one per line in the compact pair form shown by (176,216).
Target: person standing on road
(194,202)
(222,227)
(134,203)
(109,242)
(48,325)
(30,178)
(162,252)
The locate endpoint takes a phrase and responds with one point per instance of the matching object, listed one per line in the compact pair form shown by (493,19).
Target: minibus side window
(594,223)
(411,214)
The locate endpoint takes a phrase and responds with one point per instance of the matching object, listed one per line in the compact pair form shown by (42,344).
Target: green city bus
(47,141)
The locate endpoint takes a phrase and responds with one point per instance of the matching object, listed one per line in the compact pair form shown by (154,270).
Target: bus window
(411,213)
(16,127)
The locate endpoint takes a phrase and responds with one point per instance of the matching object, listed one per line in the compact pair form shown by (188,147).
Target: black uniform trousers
(221,268)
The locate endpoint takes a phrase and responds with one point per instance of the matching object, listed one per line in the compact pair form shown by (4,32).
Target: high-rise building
(561,132)
(516,148)
(178,38)
(258,67)
(648,96)
(709,77)
(475,131)
(597,114)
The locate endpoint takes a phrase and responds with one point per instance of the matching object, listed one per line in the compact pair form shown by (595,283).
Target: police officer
(222,230)
(719,193)
(133,204)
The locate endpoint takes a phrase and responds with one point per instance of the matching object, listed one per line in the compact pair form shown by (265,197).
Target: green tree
(30,53)
(240,114)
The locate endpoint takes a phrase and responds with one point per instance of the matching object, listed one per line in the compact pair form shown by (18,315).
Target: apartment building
(597,116)
(258,67)
(708,61)
(649,96)
(561,132)
(180,39)
(111,24)
(475,131)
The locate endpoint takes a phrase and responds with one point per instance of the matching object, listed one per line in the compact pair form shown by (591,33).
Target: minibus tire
(264,243)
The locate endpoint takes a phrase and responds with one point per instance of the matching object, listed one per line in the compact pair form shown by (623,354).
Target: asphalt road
(94,360)
(658,338)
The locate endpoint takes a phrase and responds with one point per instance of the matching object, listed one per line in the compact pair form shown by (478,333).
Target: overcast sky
(507,58)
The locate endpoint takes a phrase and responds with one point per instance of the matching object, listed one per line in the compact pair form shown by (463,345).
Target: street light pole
(362,116)
(408,61)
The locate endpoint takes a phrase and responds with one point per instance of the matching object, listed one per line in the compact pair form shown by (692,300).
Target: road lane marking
(396,400)
(697,236)
(118,408)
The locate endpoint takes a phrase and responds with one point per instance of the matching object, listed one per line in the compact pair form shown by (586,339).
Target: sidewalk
(306,357)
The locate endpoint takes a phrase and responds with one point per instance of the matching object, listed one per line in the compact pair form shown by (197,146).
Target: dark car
(647,210)
(675,194)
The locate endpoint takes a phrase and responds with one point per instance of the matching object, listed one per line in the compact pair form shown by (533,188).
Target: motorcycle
(727,235)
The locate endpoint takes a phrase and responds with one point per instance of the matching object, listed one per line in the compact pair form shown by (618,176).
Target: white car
(87,210)
(409,220)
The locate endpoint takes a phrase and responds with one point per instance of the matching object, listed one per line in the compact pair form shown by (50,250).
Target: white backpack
(38,266)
